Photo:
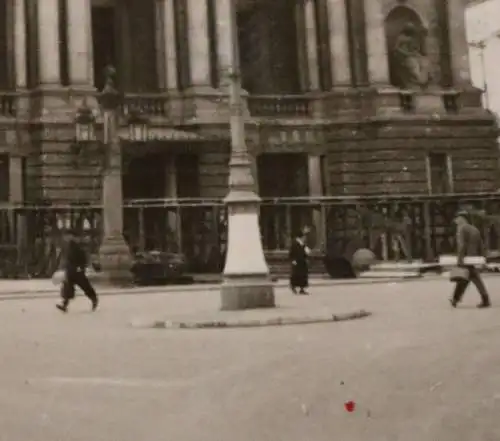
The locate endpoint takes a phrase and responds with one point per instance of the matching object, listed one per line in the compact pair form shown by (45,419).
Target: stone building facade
(344,97)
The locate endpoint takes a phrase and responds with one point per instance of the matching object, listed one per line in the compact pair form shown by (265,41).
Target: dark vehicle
(160,268)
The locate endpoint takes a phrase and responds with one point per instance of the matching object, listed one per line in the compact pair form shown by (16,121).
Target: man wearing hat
(74,265)
(469,243)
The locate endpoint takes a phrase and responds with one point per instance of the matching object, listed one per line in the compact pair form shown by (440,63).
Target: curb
(253,323)
(46,294)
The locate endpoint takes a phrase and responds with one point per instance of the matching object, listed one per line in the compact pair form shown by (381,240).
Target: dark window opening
(63,43)
(103,42)
(182,45)
(31,43)
(4,178)
(323,48)
(213,42)
(188,175)
(440,174)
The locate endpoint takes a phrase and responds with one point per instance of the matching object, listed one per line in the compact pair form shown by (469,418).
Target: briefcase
(459,274)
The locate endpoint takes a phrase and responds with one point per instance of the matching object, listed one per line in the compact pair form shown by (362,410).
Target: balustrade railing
(394,227)
(285,106)
(150,105)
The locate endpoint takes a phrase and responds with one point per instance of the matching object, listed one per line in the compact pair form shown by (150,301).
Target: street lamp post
(114,253)
(247,283)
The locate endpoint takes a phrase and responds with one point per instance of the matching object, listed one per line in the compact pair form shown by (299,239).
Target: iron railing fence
(395,227)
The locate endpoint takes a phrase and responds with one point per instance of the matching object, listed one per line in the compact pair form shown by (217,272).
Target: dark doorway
(283,175)
(144,180)
(4,178)
(144,177)
(188,175)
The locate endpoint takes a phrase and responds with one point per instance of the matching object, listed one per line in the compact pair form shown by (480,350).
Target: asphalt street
(417,370)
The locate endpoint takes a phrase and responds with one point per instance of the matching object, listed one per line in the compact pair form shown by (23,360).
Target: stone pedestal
(386,101)
(428,102)
(247,283)
(115,261)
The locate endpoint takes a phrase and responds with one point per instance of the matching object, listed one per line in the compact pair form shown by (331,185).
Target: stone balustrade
(280,106)
(151,105)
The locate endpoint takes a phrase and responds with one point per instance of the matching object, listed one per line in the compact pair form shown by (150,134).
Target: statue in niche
(410,63)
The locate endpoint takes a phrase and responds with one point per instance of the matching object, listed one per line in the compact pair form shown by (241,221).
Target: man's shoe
(95,304)
(453,303)
(62,308)
(484,305)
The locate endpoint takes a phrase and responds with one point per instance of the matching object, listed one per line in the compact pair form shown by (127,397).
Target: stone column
(114,253)
(15,179)
(459,49)
(173,222)
(311,39)
(316,190)
(20,44)
(223,26)
(199,49)
(339,43)
(167,44)
(79,25)
(376,47)
(48,43)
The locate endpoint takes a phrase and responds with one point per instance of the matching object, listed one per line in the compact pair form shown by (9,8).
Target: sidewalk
(44,288)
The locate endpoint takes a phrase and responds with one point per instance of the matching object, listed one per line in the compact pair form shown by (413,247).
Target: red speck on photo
(350,406)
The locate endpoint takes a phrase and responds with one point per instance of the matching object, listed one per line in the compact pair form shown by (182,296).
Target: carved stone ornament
(411,65)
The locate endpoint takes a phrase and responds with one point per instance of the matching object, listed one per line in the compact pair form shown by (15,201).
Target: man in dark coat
(74,264)
(299,274)
(469,243)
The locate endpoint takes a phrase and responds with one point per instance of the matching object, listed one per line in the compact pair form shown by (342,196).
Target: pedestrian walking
(469,244)
(74,265)
(299,272)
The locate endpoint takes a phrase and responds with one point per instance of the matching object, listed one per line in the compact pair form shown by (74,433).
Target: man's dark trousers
(77,277)
(475,278)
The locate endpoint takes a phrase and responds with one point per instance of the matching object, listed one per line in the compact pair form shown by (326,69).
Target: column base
(247,293)
(247,283)
(116,262)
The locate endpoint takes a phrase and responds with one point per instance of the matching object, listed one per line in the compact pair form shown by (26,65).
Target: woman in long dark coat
(299,274)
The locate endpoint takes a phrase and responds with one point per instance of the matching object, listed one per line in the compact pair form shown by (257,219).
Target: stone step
(398,266)
(389,275)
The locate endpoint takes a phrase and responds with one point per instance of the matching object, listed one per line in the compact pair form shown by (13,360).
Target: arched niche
(406,47)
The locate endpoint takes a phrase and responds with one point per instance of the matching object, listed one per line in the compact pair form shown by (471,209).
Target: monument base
(116,262)
(247,293)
